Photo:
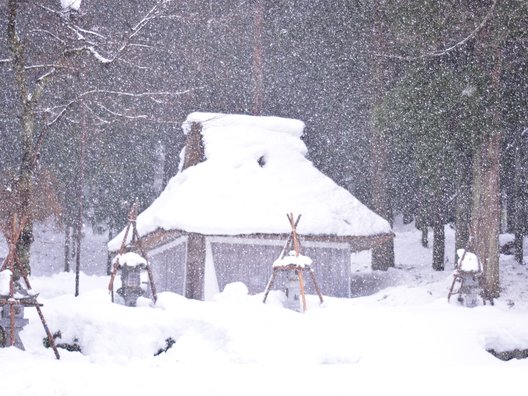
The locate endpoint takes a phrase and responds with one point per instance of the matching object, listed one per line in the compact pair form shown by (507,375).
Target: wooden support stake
(301,286)
(269,286)
(48,332)
(317,289)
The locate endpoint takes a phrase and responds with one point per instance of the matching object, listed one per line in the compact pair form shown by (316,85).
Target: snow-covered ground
(398,335)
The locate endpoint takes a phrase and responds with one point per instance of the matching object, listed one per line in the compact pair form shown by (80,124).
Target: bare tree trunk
(258,75)
(27,115)
(485,215)
(425,236)
(80,199)
(382,256)
(27,118)
(438,247)
(519,217)
(518,247)
(463,202)
(67,247)
(108,255)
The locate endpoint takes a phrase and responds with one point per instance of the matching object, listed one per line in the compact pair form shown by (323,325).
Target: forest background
(419,109)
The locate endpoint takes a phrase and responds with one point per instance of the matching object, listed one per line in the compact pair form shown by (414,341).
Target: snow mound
(292,259)
(470,262)
(131,259)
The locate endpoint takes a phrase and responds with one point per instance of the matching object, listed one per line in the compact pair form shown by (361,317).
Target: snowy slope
(401,336)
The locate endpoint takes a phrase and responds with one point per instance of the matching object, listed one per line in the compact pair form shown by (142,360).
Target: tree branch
(151,95)
(153,13)
(447,50)
(122,115)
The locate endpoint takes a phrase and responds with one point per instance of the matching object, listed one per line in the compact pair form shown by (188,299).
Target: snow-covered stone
(131,259)
(470,262)
(292,259)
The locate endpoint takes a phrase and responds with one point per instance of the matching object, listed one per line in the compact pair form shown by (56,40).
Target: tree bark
(463,202)
(438,247)
(258,75)
(108,255)
(27,118)
(425,236)
(80,199)
(518,200)
(382,256)
(27,104)
(518,247)
(485,214)
(67,247)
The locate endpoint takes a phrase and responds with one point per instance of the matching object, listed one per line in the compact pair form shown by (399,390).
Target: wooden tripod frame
(12,263)
(293,243)
(135,243)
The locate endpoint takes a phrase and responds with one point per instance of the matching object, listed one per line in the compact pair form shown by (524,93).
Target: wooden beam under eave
(357,243)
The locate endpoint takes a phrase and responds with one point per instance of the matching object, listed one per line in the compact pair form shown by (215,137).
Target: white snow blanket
(131,259)
(254,173)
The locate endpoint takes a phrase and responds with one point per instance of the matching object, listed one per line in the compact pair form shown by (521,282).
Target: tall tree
(47,46)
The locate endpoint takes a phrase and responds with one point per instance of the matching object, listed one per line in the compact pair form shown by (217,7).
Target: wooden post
(194,285)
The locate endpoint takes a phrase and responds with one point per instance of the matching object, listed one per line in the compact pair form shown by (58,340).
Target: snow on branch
(86,31)
(153,13)
(50,66)
(447,50)
(98,56)
(48,33)
(122,115)
(471,35)
(135,94)
(59,111)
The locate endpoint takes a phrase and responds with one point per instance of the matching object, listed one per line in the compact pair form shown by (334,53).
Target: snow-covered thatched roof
(255,171)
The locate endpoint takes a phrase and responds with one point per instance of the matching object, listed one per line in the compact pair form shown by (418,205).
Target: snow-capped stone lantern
(294,294)
(295,264)
(130,264)
(468,274)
